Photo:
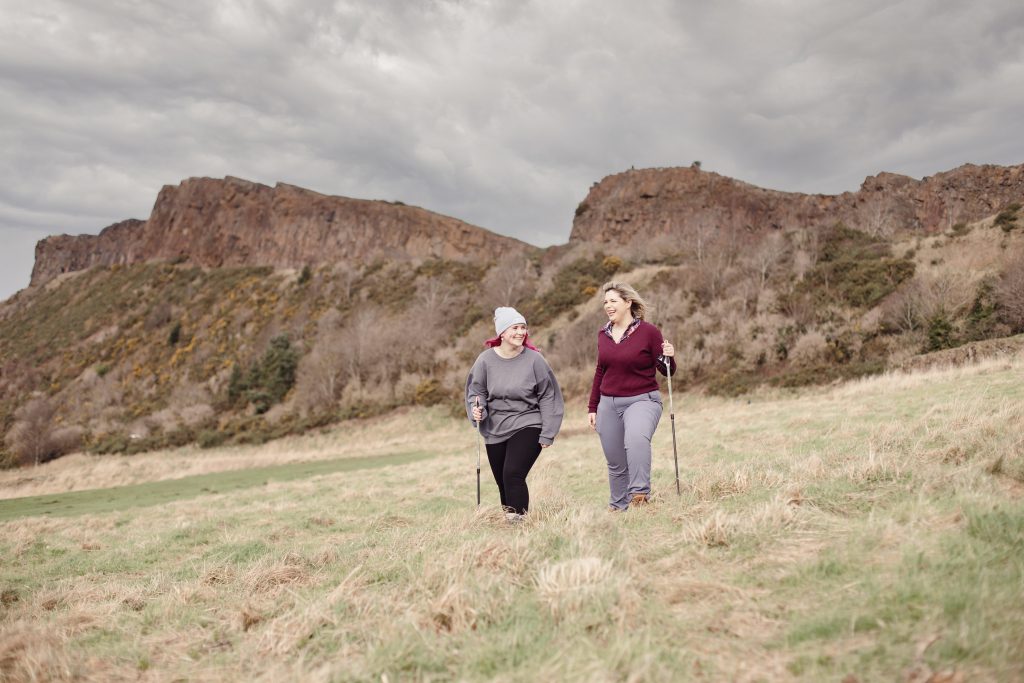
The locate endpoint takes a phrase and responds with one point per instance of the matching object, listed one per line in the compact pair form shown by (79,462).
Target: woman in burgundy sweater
(625,404)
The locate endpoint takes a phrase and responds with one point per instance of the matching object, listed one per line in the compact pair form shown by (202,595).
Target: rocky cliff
(672,201)
(213,222)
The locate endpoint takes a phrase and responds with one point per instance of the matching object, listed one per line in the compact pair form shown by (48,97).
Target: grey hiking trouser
(625,426)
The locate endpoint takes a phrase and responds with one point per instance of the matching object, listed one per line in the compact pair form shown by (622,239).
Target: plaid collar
(629,330)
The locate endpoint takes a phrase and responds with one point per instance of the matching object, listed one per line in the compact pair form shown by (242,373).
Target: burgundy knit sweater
(627,368)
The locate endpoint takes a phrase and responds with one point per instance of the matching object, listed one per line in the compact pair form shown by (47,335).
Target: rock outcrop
(231,222)
(643,204)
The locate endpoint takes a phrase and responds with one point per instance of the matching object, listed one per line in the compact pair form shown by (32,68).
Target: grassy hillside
(870,531)
(132,359)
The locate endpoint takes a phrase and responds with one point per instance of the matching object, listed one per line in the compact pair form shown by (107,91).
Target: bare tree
(807,250)
(402,344)
(434,297)
(766,257)
(902,310)
(712,274)
(729,243)
(703,233)
(925,298)
(322,372)
(358,342)
(508,282)
(879,223)
(34,439)
(948,199)
(948,294)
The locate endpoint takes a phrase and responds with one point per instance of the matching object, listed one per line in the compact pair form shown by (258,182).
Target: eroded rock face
(673,201)
(66,254)
(231,222)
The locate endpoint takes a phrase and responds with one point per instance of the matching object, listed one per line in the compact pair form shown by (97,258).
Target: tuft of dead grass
(568,585)
(266,578)
(29,654)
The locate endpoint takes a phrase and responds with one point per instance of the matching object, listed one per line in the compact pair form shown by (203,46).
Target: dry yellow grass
(873,530)
(353,439)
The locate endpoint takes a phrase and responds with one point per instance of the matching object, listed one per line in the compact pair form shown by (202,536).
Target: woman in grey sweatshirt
(514,396)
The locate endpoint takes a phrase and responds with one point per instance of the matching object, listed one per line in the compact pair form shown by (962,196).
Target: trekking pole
(672,418)
(479,438)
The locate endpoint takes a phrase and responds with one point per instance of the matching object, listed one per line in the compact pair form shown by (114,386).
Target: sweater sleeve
(552,407)
(476,387)
(595,388)
(656,341)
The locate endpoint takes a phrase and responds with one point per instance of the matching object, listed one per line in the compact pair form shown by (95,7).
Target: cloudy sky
(500,113)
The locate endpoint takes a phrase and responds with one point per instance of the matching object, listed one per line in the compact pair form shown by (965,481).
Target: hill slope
(189,329)
(870,531)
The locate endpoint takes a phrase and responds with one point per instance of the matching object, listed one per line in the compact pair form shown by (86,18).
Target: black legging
(510,463)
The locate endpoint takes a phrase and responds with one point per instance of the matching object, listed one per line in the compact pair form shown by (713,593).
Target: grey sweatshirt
(515,393)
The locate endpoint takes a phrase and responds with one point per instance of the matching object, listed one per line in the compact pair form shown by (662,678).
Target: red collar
(629,330)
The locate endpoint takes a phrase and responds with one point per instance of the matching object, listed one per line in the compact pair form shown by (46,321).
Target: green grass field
(119,498)
(871,531)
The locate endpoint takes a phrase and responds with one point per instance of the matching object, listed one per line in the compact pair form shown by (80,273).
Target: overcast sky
(499,113)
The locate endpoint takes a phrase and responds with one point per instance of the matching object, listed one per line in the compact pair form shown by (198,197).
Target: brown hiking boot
(639,500)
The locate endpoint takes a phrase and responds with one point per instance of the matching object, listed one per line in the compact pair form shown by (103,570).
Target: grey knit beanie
(505,317)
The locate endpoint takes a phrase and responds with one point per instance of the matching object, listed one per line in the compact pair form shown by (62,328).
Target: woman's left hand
(667,349)
(544,445)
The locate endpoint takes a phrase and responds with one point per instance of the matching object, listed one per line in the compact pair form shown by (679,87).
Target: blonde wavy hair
(637,306)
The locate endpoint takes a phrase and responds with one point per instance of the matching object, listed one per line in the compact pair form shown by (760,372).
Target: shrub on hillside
(35,438)
(124,443)
(855,269)
(808,349)
(1007,218)
(824,373)
(429,392)
(211,438)
(796,303)
(940,333)
(733,382)
(960,229)
(572,285)
(393,288)
(456,272)
(1009,295)
(267,381)
(982,320)
(174,336)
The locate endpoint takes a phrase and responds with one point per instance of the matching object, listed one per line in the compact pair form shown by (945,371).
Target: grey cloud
(498,113)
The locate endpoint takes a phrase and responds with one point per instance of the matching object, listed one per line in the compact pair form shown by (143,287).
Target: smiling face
(515,335)
(616,307)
